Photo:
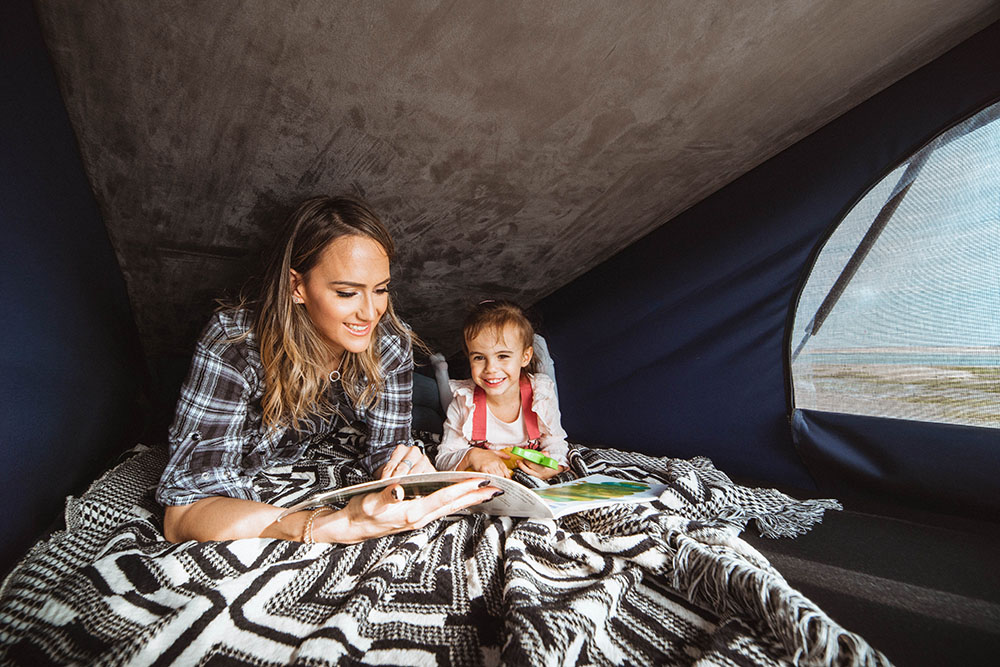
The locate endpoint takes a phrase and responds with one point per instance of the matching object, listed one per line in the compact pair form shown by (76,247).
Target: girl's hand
(539,471)
(488,461)
(406,461)
(385,512)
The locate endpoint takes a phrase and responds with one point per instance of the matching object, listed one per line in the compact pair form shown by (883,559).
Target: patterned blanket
(669,583)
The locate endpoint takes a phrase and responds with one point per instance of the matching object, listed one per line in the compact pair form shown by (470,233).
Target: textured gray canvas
(510,146)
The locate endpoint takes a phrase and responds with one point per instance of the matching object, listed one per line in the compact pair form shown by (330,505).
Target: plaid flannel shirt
(218,441)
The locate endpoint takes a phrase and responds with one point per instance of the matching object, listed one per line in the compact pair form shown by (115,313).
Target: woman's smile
(358,329)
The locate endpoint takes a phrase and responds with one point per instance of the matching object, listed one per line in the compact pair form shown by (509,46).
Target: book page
(517,499)
(595,491)
(549,502)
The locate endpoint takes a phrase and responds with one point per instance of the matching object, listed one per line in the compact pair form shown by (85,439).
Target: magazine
(518,500)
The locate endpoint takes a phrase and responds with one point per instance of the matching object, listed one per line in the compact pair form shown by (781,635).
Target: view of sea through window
(900,316)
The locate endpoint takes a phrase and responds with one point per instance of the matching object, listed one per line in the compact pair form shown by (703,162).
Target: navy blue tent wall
(70,362)
(676,347)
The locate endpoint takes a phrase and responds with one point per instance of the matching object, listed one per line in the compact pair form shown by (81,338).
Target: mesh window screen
(900,314)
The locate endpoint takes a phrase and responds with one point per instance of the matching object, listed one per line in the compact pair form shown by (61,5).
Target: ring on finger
(407,462)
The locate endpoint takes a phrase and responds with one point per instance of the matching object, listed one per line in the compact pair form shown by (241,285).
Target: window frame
(790,341)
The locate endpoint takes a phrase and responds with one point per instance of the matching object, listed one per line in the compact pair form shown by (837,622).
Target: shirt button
(196,435)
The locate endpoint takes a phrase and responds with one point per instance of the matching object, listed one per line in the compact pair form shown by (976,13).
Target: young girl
(505,403)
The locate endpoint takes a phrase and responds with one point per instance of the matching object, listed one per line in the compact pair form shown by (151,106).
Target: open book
(548,502)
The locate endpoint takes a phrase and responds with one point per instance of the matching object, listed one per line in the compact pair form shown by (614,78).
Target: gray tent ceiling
(510,146)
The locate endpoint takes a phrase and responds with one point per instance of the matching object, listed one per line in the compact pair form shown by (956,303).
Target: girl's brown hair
(294,354)
(494,316)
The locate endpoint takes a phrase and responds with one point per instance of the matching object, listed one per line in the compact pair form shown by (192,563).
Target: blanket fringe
(733,586)
(791,519)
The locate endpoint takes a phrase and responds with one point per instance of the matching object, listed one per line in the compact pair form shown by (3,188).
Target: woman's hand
(486,460)
(539,471)
(406,461)
(385,512)
(370,515)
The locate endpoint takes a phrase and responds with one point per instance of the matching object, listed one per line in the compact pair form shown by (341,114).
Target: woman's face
(346,292)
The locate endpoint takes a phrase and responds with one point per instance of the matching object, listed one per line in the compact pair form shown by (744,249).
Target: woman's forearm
(370,515)
(221,518)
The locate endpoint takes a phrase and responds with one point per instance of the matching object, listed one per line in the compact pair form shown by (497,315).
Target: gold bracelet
(307,531)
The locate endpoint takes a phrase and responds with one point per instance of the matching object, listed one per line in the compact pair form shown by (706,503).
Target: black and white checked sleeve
(389,420)
(208,436)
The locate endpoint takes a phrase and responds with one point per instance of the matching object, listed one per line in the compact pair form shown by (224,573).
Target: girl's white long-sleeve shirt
(458,424)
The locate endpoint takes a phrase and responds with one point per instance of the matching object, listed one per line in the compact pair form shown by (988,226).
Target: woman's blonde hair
(294,354)
(493,316)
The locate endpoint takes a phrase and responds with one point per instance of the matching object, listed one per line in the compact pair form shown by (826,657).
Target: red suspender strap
(530,418)
(479,414)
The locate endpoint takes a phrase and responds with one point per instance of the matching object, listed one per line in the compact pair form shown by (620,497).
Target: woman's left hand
(406,461)
(385,512)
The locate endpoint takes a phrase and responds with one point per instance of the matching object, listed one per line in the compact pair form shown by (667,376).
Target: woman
(319,344)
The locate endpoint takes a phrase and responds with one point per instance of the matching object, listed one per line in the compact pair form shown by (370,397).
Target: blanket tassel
(732,586)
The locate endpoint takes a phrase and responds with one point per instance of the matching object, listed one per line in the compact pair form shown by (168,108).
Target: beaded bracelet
(307,531)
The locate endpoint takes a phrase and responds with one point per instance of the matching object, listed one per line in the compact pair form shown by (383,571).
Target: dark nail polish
(483,483)
(498,493)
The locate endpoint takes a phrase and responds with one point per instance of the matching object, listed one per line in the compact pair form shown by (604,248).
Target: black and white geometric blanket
(664,584)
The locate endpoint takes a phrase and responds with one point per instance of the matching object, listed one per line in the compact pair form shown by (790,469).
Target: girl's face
(496,359)
(346,292)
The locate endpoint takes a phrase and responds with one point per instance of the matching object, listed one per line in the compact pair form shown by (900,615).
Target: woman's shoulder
(227,326)
(228,339)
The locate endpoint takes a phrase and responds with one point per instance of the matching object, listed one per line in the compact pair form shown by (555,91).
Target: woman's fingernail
(397,493)
(483,483)
(498,493)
